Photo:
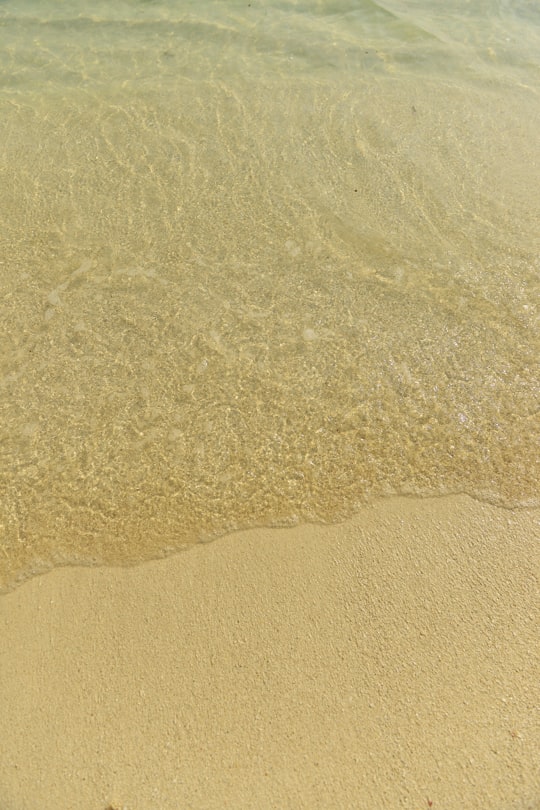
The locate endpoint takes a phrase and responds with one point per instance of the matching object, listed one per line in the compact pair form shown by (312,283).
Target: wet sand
(390,661)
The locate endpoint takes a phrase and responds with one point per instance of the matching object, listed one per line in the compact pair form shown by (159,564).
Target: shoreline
(387,661)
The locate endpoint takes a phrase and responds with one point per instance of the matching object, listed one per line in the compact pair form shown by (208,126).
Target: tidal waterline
(260,263)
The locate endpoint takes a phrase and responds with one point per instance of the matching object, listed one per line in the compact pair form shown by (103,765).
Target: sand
(388,662)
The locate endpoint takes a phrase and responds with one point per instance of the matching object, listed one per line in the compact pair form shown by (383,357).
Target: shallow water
(261,262)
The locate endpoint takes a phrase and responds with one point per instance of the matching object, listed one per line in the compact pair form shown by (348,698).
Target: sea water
(260,262)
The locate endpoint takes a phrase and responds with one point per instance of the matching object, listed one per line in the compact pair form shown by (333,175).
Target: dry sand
(388,662)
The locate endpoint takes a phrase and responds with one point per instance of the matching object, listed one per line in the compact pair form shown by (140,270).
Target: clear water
(261,262)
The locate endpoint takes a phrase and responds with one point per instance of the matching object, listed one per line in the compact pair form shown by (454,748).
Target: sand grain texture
(387,662)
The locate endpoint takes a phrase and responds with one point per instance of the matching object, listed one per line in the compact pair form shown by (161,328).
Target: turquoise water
(261,262)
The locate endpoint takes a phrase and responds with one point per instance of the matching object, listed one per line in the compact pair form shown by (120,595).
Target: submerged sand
(390,661)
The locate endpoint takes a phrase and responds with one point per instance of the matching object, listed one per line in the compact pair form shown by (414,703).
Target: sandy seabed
(391,661)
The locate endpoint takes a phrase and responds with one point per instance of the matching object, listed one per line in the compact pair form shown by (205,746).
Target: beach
(388,661)
(269,340)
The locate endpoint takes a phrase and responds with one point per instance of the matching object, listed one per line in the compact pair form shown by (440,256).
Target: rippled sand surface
(260,264)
